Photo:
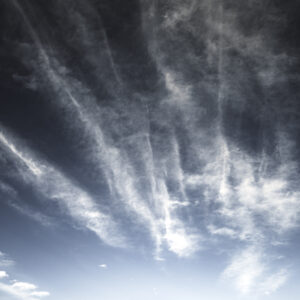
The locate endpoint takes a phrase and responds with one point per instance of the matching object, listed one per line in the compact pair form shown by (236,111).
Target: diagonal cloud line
(115,171)
(12,199)
(54,185)
(33,167)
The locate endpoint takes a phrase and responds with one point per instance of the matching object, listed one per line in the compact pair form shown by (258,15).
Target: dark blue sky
(149,149)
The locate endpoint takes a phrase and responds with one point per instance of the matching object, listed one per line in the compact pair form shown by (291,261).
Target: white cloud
(224,231)
(247,202)
(40,294)
(33,167)
(152,211)
(3,274)
(23,290)
(274,282)
(103,266)
(180,243)
(251,274)
(179,92)
(23,286)
(175,233)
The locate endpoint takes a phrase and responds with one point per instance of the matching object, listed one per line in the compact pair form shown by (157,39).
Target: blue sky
(149,150)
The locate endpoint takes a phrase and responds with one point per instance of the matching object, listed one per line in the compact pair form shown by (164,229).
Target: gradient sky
(149,149)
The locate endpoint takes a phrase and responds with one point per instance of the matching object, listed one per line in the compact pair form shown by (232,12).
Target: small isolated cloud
(223,231)
(103,266)
(3,274)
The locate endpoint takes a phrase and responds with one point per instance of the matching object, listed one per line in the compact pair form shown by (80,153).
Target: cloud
(23,290)
(32,166)
(274,282)
(40,294)
(19,289)
(103,266)
(3,274)
(251,274)
(23,286)
(54,185)
(5,261)
(223,231)
(186,156)
(245,269)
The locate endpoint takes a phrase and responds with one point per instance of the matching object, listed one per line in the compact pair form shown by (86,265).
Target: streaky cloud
(54,185)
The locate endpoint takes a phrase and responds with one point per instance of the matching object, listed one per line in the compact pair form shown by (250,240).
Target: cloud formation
(55,186)
(18,289)
(206,152)
(23,290)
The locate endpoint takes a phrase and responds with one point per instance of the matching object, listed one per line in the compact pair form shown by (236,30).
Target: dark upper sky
(149,149)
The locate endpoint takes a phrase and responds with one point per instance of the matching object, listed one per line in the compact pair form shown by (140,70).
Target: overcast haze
(149,149)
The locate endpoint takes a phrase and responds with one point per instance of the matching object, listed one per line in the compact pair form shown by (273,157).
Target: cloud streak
(121,176)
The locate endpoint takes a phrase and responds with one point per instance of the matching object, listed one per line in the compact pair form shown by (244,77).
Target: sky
(149,149)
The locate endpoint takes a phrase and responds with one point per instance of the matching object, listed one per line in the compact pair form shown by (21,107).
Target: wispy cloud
(12,198)
(32,166)
(246,269)
(184,166)
(54,185)
(5,261)
(249,196)
(274,281)
(19,289)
